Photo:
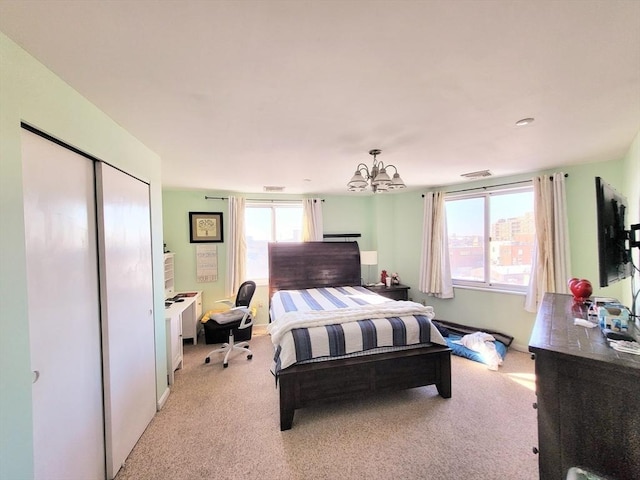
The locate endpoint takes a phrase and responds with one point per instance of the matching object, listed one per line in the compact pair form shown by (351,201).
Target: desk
(174,345)
(191,316)
(182,321)
(587,396)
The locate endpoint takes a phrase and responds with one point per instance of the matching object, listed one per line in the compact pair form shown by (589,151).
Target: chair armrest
(247,320)
(228,302)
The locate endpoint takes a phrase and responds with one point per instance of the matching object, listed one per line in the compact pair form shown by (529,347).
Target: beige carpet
(224,424)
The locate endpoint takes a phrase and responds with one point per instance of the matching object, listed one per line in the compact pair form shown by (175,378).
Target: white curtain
(551,265)
(237,247)
(435,270)
(312,220)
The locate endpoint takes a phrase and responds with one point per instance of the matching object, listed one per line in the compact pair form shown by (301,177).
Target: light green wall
(342,214)
(176,208)
(392,225)
(350,214)
(31,93)
(505,311)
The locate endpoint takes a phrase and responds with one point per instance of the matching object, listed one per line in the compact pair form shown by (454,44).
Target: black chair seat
(233,323)
(217,333)
(227,319)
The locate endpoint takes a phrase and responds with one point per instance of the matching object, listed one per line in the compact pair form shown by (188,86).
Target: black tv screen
(614,256)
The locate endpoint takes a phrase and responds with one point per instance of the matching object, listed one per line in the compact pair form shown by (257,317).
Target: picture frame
(206,227)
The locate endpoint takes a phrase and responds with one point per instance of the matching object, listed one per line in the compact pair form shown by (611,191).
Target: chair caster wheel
(249,357)
(207,360)
(225,365)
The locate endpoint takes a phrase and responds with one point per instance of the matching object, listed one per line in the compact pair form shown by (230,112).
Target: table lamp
(369,257)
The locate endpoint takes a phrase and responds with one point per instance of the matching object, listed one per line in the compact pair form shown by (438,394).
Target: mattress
(336,322)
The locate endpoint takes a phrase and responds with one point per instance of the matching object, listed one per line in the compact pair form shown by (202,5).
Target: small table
(394,292)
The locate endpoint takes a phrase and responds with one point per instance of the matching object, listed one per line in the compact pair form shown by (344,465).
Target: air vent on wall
(271,188)
(478,174)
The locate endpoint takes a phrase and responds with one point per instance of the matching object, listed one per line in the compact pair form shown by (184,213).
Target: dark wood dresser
(588,396)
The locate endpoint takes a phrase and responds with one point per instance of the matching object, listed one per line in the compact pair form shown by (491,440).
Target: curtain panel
(312,227)
(237,247)
(435,269)
(551,263)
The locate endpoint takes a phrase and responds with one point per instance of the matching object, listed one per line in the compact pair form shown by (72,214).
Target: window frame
(486,194)
(273,205)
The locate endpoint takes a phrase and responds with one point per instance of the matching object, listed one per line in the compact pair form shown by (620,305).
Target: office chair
(237,318)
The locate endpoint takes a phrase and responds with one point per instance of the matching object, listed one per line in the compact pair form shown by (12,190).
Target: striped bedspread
(321,323)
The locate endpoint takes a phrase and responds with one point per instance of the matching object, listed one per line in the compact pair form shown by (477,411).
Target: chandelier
(377,176)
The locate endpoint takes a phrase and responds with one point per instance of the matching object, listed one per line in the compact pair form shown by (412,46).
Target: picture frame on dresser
(206,227)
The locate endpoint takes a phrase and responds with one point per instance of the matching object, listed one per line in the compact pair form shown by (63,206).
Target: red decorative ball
(581,289)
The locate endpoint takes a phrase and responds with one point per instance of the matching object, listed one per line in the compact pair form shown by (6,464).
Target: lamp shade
(357,182)
(396,182)
(369,257)
(382,178)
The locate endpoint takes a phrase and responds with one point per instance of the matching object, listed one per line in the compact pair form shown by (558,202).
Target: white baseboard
(519,347)
(260,328)
(163,399)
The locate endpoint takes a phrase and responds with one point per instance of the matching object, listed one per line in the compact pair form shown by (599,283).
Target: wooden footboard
(304,385)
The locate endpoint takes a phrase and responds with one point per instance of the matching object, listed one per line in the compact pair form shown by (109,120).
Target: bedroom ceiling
(236,95)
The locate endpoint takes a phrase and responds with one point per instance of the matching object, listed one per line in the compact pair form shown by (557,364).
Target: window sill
(492,290)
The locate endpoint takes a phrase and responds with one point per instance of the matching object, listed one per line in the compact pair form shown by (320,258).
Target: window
(264,223)
(491,238)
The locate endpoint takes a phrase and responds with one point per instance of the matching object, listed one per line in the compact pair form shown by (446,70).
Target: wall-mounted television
(614,254)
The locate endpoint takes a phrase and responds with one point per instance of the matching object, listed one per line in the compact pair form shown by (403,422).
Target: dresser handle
(533,356)
(535,405)
(535,450)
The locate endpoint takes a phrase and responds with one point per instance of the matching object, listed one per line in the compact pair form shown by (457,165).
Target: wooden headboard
(313,264)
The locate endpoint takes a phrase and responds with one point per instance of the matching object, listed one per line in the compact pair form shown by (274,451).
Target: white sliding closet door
(64,313)
(127,311)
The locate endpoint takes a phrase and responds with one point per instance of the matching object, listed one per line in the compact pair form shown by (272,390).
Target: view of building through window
(264,223)
(498,226)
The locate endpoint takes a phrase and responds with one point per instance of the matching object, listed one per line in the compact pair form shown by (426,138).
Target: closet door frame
(126,285)
(64,310)
(126,365)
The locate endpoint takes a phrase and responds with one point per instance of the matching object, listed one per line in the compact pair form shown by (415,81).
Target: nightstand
(394,292)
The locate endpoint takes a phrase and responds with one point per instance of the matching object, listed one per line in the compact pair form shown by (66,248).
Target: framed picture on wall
(205,227)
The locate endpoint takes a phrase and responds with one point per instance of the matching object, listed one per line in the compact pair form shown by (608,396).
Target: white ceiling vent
(478,174)
(271,188)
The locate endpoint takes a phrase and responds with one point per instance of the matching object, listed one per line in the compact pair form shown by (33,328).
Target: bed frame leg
(286,419)
(444,385)
(287,403)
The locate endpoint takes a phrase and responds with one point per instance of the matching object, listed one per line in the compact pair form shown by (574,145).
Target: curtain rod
(273,200)
(498,185)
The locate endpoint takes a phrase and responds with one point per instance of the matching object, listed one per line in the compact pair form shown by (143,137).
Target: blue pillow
(465,352)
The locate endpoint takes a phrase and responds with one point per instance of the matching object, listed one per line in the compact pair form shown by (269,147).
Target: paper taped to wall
(206,263)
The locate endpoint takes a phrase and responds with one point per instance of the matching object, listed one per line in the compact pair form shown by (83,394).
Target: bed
(321,266)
